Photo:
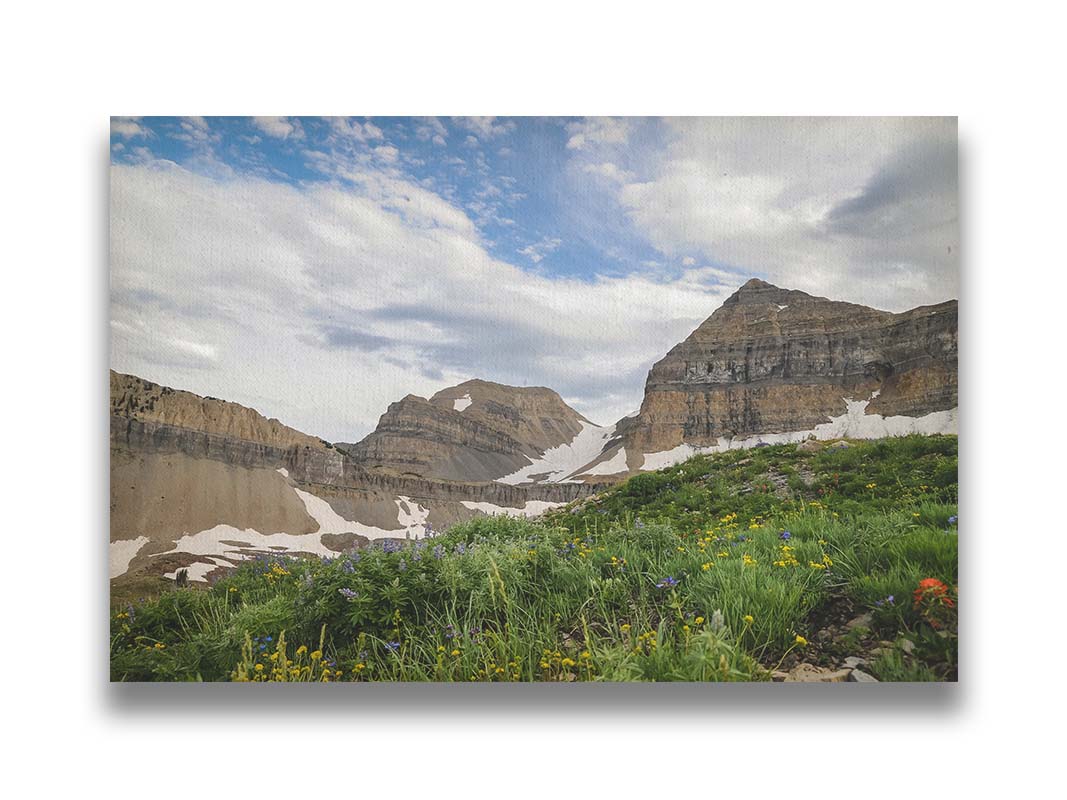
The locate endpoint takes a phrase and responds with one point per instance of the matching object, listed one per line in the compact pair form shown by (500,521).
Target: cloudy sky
(319,269)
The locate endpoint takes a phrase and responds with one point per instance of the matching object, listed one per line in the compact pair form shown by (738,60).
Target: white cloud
(387,153)
(433,129)
(354,129)
(486,127)
(279,127)
(358,293)
(537,251)
(862,209)
(608,171)
(127,127)
(594,131)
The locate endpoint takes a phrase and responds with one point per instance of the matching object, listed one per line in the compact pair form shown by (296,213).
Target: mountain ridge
(769,365)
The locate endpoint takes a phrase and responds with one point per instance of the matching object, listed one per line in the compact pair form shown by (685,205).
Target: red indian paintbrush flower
(933,592)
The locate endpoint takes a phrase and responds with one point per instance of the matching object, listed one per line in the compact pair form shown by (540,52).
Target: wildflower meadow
(728,567)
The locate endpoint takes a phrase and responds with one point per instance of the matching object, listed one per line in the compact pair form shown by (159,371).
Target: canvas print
(533,399)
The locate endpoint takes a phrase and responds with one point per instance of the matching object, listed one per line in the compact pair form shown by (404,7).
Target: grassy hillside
(726,567)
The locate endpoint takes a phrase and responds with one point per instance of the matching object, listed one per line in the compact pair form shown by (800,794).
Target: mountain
(476,431)
(201,483)
(775,365)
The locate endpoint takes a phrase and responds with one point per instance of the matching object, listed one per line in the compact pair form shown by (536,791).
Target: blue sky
(510,174)
(319,268)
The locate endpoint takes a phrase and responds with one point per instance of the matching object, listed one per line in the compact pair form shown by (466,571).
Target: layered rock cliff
(476,431)
(777,361)
(200,483)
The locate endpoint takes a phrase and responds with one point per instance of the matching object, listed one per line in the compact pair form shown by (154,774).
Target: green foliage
(715,569)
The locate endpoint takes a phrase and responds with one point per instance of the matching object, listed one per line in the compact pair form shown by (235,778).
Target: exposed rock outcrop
(773,360)
(476,431)
(201,483)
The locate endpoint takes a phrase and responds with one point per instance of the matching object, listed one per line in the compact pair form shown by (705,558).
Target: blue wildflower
(952,520)
(785,536)
(438,552)
(667,583)
(392,646)
(348,594)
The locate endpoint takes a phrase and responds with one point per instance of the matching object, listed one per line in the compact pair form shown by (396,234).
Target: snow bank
(855,423)
(562,461)
(613,466)
(122,552)
(531,509)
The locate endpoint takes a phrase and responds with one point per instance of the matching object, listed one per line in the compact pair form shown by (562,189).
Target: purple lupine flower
(402,566)
(667,583)
(438,552)
(953,519)
(348,594)
(461,548)
(392,646)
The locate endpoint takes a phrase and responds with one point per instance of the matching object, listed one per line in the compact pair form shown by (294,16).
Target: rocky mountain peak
(774,361)
(476,430)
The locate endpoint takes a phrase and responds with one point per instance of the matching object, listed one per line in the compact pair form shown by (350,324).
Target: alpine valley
(201,484)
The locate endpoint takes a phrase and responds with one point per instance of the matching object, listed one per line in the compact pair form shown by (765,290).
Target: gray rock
(852,662)
(859,676)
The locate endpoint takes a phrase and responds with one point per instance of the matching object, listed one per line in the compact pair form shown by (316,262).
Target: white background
(66,69)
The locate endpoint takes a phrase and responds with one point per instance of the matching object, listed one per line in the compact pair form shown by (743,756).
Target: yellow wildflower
(749,619)
(801,640)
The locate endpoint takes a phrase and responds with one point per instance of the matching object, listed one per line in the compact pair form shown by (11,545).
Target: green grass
(583,593)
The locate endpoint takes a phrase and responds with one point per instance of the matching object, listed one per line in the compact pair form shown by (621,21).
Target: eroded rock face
(476,431)
(187,471)
(136,398)
(776,360)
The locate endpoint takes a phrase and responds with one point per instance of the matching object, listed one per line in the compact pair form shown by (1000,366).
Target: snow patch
(283,472)
(855,423)
(462,403)
(613,466)
(668,458)
(219,541)
(224,543)
(122,552)
(412,516)
(200,570)
(560,462)
(531,509)
(782,308)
